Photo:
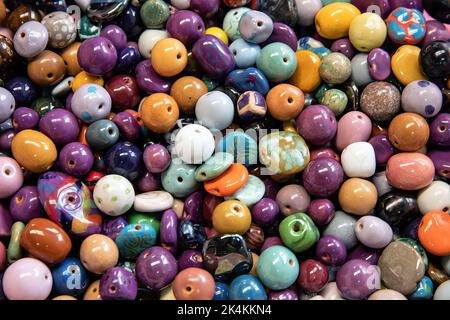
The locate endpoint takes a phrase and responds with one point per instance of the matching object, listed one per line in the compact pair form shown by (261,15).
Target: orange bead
(98,253)
(64,297)
(33,150)
(255,259)
(408,131)
(358,196)
(234,178)
(46,69)
(409,171)
(186,91)
(159,112)
(93,292)
(307,75)
(169,57)
(434,233)
(231,216)
(69,56)
(194,284)
(285,102)
(82,134)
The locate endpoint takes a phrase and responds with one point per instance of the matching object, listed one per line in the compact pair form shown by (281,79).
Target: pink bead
(11,177)
(355,126)
(27,279)
(410,171)
(387,294)
(2,256)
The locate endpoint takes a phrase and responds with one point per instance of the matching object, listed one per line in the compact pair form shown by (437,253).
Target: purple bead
(322,177)
(113,225)
(118,284)
(380,7)
(440,130)
(186,26)
(282,33)
(412,4)
(149,182)
(379,62)
(383,148)
(272,188)
(116,35)
(317,124)
(156,158)
(357,279)
(6,138)
(60,125)
(287,294)
(412,229)
(25,205)
(149,81)
(435,30)
(76,159)
(265,212)
(343,46)
(205,8)
(365,253)
(321,211)
(271,241)
(156,267)
(214,57)
(331,250)
(128,126)
(25,118)
(68,105)
(97,56)
(168,230)
(190,259)
(193,208)
(441,161)
(23,90)
(6,221)
(7,104)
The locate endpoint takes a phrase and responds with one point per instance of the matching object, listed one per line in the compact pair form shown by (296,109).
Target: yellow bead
(231,216)
(406,66)
(64,297)
(218,33)
(333,20)
(307,75)
(367,31)
(83,77)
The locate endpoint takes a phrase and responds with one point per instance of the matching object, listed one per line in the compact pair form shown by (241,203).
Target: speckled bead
(114,195)
(422,97)
(91,102)
(61,27)
(335,68)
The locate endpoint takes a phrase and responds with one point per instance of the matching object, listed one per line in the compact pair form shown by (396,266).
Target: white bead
(148,39)
(194,144)
(114,195)
(153,201)
(215,110)
(358,160)
(434,197)
(181,4)
(443,291)
(331,292)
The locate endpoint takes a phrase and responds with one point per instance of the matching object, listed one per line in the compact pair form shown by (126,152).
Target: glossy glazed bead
(265,212)
(307,76)
(97,55)
(214,166)
(91,102)
(360,70)
(322,177)
(433,233)
(186,91)
(194,144)
(251,106)
(335,68)
(333,20)
(191,235)
(153,201)
(367,31)
(406,26)
(358,160)
(190,258)
(298,232)
(70,277)
(114,195)
(380,101)
(251,192)
(422,97)
(373,232)
(313,276)
(118,284)
(278,62)
(292,199)
(22,89)
(194,284)
(102,134)
(125,159)
(124,91)
(358,196)
(135,238)
(148,39)
(255,26)
(250,79)
(440,162)
(186,26)
(231,22)
(435,59)
(317,124)
(285,102)
(76,159)
(405,64)
(424,290)
(179,179)
(227,183)
(247,287)
(25,205)
(46,69)
(379,62)
(353,127)
(149,81)
(11,177)
(231,216)
(169,57)
(434,197)
(357,279)
(30,39)
(98,253)
(408,132)
(331,250)
(25,118)
(159,112)
(61,29)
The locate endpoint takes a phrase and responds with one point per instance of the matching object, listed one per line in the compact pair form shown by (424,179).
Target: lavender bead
(25,205)
(271,241)
(168,230)
(116,35)
(25,118)
(441,161)
(364,253)
(190,259)
(357,279)
(60,125)
(6,221)
(193,209)
(440,130)
(76,159)
(379,62)
(118,284)
(322,177)
(383,148)
(113,225)
(435,30)
(149,182)
(287,294)
(156,158)
(97,56)
(149,81)
(373,232)
(343,46)
(91,102)
(186,26)
(331,250)
(8,104)
(30,39)
(380,7)
(255,26)
(282,33)
(265,212)
(321,211)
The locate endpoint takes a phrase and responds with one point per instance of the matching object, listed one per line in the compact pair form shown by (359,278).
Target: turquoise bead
(424,290)
(231,22)
(135,238)
(277,267)
(247,287)
(179,179)
(241,145)
(251,192)
(214,166)
(313,45)
(88,29)
(277,61)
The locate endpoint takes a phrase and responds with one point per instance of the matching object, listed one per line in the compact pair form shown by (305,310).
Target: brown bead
(285,102)
(46,69)
(69,56)
(45,240)
(2,11)
(22,14)
(7,54)
(358,196)
(438,276)
(186,91)
(408,131)
(254,237)
(255,259)
(159,112)
(98,253)
(380,101)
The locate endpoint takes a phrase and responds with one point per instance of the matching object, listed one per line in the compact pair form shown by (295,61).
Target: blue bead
(247,287)
(241,145)
(250,79)
(127,60)
(69,277)
(125,159)
(244,53)
(424,290)
(222,291)
(135,238)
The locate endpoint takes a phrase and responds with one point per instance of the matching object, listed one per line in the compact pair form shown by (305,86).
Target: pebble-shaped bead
(30,39)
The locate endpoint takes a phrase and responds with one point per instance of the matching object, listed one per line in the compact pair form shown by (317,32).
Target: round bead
(408,131)
(247,287)
(30,39)
(187,91)
(406,26)
(91,102)
(76,159)
(358,196)
(61,27)
(59,125)
(358,160)
(179,179)
(277,61)
(373,232)
(435,59)
(255,26)
(409,171)
(98,253)
(114,195)
(333,20)
(285,102)
(367,31)
(159,112)
(335,68)
(148,39)
(380,101)
(194,144)
(215,110)
(322,177)
(357,279)
(156,267)
(46,69)
(194,284)
(11,177)
(244,53)
(169,57)
(317,125)
(434,197)
(331,250)
(313,276)
(231,216)
(156,158)
(97,56)
(422,97)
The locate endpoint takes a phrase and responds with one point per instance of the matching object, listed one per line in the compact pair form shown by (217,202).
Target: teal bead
(102,134)
(214,166)
(277,267)
(135,238)
(152,219)
(424,290)
(277,61)
(179,179)
(154,13)
(241,145)
(88,29)
(251,192)
(231,22)
(210,83)
(320,92)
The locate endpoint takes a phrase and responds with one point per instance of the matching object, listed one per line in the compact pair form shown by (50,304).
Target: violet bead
(412,229)
(23,90)
(272,188)
(282,33)
(6,221)
(441,161)
(380,7)
(25,118)
(265,212)
(97,56)
(205,8)
(343,46)
(60,125)
(439,130)
(125,159)
(25,204)
(193,207)
(373,232)
(186,26)
(6,138)
(379,62)
(412,4)
(118,284)
(149,182)
(128,126)
(156,158)
(113,225)
(190,259)
(382,147)
(323,152)
(317,124)
(127,60)
(323,177)
(435,30)
(76,159)
(364,253)
(149,81)
(331,250)
(156,267)
(287,294)
(357,279)
(271,241)
(168,232)
(116,35)
(321,211)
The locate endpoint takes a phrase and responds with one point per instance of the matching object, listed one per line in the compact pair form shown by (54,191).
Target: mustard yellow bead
(307,75)
(333,21)
(169,57)
(367,31)
(406,66)
(83,78)
(218,33)
(231,216)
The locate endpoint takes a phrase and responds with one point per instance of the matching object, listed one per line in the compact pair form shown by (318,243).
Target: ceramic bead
(98,253)
(114,195)
(186,91)
(231,22)
(118,284)
(25,204)
(169,57)
(440,129)
(207,110)
(11,177)
(190,258)
(135,238)
(417,174)
(154,201)
(194,144)
(194,284)
(30,39)
(434,197)
(285,102)
(433,233)
(406,25)
(191,235)
(380,101)
(156,268)
(336,100)
(91,102)
(123,91)
(61,29)
(434,58)
(159,112)
(231,216)
(97,55)
(321,211)
(307,76)
(251,106)
(265,212)
(317,124)
(397,208)
(125,159)
(298,232)
(214,166)
(292,199)
(148,39)
(422,97)
(154,13)
(367,31)
(357,279)
(405,64)
(331,250)
(322,177)
(102,134)
(70,277)
(358,160)
(438,157)
(354,126)
(250,79)
(379,64)
(342,227)
(313,276)
(335,68)
(373,232)
(247,287)
(255,26)
(333,20)
(306,11)
(179,179)
(357,196)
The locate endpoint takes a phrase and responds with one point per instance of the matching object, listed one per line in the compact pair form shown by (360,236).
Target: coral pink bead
(355,126)
(410,171)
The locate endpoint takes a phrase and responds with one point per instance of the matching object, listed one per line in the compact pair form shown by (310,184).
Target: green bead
(42,105)
(14,252)
(231,22)
(88,29)
(320,92)
(179,179)
(336,100)
(214,166)
(251,192)
(298,232)
(152,219)
(277,61)
(154,13)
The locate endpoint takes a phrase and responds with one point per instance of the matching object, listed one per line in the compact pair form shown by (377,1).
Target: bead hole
(179,56)
(285,59)
(110,131)
(259,24)
(445,209)
(442,128)
(290,100)
(237,208)
(199,27)
(22,34)
(203,174)
(169,109)
(188,288)
(291,262)
(445,172)
(19,199)
(360,116)
(50,75)
(100,106)
(137,227)
(112,289)
(296,227)
(71,163)
(7,171)
(71,199)
(180,179)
